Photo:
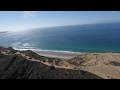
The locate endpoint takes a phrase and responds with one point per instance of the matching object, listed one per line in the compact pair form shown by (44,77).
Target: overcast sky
(22,20)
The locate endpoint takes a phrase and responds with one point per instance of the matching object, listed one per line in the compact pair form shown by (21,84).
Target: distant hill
(16,64)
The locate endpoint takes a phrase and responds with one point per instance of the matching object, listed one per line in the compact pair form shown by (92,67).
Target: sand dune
(106,65)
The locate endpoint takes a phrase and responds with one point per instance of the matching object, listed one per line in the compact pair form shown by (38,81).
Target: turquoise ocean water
(75,38)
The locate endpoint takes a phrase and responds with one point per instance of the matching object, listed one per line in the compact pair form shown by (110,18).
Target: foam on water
(41,50)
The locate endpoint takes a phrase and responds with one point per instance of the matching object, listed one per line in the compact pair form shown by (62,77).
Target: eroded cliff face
(16,64)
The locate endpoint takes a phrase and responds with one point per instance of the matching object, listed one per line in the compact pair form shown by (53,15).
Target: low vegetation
(15,66)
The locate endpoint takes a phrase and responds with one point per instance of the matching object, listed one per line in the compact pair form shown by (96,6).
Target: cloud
(113,11)
(29,14)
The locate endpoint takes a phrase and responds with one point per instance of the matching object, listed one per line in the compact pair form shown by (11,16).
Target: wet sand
(60,55)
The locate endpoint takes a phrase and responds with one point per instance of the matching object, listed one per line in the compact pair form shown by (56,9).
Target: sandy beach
(60,55)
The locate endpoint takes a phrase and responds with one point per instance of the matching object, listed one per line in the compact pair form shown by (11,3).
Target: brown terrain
(105,65)
(16,64)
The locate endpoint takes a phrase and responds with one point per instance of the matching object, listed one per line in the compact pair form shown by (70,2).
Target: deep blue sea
(76,38)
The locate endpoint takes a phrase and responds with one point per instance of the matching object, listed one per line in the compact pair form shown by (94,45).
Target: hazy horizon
(5,31)
(24,20)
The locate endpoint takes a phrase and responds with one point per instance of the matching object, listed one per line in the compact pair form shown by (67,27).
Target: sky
(23,20)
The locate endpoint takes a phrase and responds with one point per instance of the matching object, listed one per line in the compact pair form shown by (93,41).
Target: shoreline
(59,55)
(64,55)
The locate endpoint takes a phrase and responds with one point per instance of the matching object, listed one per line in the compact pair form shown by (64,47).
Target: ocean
(75,38)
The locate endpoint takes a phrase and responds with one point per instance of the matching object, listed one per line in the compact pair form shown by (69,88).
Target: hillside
(16,64)
(105,65)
